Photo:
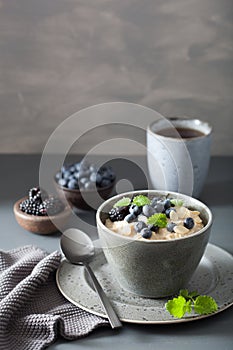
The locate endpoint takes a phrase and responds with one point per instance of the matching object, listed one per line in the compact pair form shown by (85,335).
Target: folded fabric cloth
(32,310)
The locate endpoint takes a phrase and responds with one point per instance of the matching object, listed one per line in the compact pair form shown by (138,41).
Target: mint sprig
(205,305)
(179,306)
(177,202)
(141,200)
(158,219)
(188,301)
(123,202)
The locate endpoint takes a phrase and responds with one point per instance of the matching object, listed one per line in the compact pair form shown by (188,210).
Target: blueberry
(170,226)
(139,226)
(98,179)
(154,228)
(84,173)
(111,174)
(77,166)
(73,184)
(83,180)
(103,169)
(105,183)
(159,207)
(72,169)
(105,175)
(130,217)
(84,166)
(167,204)
(154,201)
(148,210)
(168,212)
(66,174)
(58,175)
(76,175)
(93,177)
(62,182)
(189,223)
(64,168)
(135,209)
(93,168)
(89,185)
(146,233)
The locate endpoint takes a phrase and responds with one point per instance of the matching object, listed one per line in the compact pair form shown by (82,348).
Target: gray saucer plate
(214,277)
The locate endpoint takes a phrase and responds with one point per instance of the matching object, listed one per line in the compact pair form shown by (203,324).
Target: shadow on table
(139,335)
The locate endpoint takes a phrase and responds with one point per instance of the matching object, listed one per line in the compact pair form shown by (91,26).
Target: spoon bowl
(77,246)
(79,249)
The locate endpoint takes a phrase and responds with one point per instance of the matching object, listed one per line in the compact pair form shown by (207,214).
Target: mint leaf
(188,295)
(177,202)
(193,294)
(123,202)
(186,301)
(204,305)
(178,306)
(158,219)
(141,200)
(184,293)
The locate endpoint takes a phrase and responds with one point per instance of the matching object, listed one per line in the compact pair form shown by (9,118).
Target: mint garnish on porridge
(153,218)
(159,220)
(141,200)
(177,202)
(123,202)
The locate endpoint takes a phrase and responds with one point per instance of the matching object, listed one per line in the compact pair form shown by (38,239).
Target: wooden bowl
(76,199)
(40,224)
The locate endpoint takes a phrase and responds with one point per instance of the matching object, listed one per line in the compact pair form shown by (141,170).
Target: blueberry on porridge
(157,218)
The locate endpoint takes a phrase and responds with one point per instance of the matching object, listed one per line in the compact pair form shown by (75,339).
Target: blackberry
(28,206)
(118,213)
(36,194)
(51,206)
(40,204)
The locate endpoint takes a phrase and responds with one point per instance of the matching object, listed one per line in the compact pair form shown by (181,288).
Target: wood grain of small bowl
(76,200)
(40,224)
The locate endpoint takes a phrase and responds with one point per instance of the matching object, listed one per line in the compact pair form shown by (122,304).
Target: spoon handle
(112,316)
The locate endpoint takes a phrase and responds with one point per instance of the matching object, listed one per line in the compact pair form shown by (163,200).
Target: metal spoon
(78,248)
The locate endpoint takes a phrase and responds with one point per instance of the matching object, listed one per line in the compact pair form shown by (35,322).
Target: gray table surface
(18,173)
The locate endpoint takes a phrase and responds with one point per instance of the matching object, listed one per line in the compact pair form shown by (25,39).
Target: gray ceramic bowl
(154,268)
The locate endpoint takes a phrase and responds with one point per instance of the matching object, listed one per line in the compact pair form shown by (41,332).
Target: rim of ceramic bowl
(181,119)
(165,193)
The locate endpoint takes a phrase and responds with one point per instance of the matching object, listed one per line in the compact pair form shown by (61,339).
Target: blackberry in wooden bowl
(40,213)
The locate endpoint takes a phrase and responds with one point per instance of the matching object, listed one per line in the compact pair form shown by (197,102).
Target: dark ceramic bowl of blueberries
(41,213)
(83,185)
